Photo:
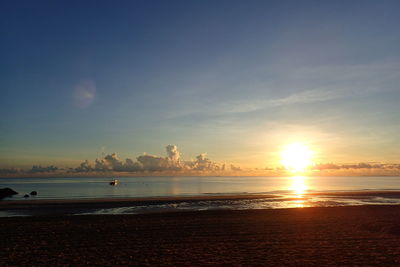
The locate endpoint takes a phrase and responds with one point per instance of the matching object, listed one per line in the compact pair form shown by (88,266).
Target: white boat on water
(114,182)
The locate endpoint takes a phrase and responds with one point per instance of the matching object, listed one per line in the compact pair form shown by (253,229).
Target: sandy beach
(336,236)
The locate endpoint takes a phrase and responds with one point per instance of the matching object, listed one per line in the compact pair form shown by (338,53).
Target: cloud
(131,166)
(174,157)
(361,165)
(10,171)
(304,97)
(202,163)
(84,167)
(153,163)
(296,85)
(173,153)
(84,93)
(235,168)
(146,162)
(39,169)
(109,163)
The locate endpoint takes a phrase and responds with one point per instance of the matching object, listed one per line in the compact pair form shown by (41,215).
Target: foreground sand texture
(338,236)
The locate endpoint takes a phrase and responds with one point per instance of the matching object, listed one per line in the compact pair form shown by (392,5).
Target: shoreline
(125,201)
(73,206)
(76,206)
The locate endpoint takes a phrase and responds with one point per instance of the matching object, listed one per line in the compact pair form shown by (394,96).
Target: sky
(235,79)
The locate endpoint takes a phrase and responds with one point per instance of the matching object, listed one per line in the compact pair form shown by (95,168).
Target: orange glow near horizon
(296,157)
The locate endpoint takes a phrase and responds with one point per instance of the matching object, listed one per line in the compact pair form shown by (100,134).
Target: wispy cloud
(84,93)
(294,86)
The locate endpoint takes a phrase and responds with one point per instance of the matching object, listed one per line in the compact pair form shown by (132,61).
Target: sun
(296,157)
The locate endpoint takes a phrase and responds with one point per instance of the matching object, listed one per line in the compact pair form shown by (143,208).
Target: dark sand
(352,236)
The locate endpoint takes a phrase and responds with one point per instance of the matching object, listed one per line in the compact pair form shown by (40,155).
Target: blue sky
(235,79)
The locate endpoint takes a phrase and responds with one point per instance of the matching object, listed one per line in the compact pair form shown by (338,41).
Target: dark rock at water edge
(7,192)
(33,193)
(26,196)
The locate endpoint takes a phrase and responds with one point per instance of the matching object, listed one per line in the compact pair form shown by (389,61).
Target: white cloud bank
(146,162)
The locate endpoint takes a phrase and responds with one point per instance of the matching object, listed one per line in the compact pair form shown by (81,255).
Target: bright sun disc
(296,157)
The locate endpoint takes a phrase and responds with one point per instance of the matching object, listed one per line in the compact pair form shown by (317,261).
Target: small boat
(114,182)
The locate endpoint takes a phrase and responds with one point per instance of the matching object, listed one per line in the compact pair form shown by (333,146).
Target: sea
(284,192)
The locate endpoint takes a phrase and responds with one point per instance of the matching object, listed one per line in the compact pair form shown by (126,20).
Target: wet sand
(336,236)
(76,206)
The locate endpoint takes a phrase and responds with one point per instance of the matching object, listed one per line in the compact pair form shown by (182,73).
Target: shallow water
(87,188)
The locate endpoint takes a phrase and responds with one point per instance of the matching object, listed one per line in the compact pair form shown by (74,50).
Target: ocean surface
(296,191)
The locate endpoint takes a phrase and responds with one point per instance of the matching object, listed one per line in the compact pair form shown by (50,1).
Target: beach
(333,236)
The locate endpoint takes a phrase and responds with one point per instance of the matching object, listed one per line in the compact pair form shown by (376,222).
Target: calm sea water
(289,191)
(84,188)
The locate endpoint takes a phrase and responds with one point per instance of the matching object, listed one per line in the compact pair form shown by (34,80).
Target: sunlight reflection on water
(298,185)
